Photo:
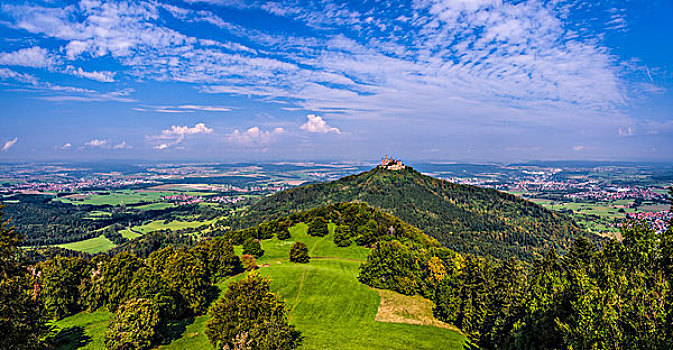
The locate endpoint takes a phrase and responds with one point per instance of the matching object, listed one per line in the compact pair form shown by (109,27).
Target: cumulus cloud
(65,146)
(254,136)
(96,143)
(9,144)
(316,124)
(36,57)
(578,148)
(176,134)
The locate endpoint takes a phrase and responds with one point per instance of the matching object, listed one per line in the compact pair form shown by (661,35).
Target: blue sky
(228,80)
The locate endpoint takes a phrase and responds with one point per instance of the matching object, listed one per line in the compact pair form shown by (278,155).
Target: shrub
(342,236)
(134,325)
(299,253)
(318,227)
(283,233)
(249,262)
(253,247)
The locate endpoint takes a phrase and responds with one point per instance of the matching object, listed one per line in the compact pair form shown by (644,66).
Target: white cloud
(65,146)
(578,148)
(121,145)
(9,144)
(205,108)
(102,76)
(184,109)
(176,134)
(36,57)
(626,132)
(315,123)
(96,143)
(254,136)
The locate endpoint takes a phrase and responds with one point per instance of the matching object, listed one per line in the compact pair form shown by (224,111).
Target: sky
(238,81)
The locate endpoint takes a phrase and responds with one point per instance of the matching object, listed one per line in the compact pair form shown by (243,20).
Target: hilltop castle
(391,164)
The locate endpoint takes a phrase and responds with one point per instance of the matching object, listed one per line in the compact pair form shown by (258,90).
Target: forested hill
(464,218)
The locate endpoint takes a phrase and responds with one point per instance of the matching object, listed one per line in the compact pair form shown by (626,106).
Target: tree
(60,279)
(283,230)
(253,247)
(249,306)
(186,277)
(218,257)
(117,276)
(342,236)
(21,323)
(299,253)
(134,326)
(391,266)
(318,227)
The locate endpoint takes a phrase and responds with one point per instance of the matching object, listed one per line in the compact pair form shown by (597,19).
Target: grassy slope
(326,302)
(92,245)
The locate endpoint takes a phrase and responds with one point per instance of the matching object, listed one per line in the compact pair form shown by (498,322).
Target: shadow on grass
(174,330)
(211,295)
(71,338)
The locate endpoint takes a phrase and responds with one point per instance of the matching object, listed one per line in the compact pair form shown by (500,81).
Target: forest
(616,295)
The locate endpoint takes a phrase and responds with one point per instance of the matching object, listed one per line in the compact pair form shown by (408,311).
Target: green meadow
(92,245)
(324,299)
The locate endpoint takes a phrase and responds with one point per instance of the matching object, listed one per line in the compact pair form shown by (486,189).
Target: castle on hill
(391,164)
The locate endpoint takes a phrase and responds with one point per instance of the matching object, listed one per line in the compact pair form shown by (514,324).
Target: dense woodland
(615,296)
(464,218)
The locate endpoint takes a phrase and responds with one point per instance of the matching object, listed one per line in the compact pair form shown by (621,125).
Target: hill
(464,218)
(325,302)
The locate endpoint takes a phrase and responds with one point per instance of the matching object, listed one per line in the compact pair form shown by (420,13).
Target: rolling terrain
(325,300)
(464,218)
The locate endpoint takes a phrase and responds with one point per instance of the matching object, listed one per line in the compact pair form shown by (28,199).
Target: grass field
(325,302)
(171,225)
(117,198)
(92,245)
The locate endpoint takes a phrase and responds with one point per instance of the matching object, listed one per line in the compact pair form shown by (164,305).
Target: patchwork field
(92,245)
(325,300)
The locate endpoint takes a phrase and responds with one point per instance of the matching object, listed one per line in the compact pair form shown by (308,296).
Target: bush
(253,247)
(134,325)
(248,306)
(342,236)
(318,227)
(299,253)
(249,262)
(283,233)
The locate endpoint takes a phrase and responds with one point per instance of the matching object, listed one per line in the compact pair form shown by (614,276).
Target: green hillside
(464,218)
(324,298)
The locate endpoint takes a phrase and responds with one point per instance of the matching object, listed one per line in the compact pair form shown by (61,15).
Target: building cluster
(391,164)
(72,186)
(183,199)
(658,221)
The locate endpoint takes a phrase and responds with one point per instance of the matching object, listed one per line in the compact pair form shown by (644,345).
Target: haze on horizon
(237,80)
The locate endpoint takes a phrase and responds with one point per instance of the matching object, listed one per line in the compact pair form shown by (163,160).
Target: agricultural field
(114,198)
(325,300)
(92,245)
